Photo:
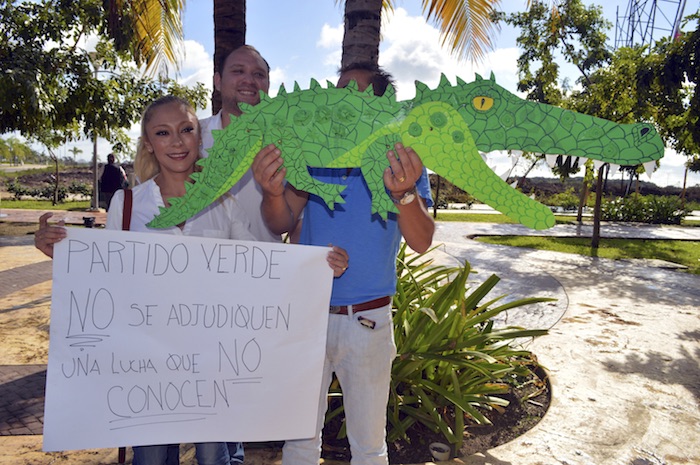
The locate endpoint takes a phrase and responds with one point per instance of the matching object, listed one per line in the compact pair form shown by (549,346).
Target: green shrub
(80,188)
(644,209)
(568,200)
(47,192)
(450,361)
(17,189)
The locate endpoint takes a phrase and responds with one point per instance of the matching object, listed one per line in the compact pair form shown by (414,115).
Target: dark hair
(380,79)
(225,55)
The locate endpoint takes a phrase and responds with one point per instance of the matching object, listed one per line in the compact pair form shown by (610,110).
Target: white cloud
(412,50)
(277,77)
(331,37)
(196,57)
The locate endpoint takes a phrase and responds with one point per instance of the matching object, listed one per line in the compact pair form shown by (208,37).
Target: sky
(301,39)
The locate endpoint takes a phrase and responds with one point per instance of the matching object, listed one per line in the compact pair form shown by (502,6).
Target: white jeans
(361,358)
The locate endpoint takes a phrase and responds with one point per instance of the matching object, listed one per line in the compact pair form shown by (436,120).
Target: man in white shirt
(242,74)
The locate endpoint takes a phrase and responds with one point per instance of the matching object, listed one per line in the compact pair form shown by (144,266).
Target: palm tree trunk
(363,19)
(229,34)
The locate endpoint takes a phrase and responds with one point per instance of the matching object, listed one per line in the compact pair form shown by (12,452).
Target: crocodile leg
(373,164)
(444,142)
(298,175)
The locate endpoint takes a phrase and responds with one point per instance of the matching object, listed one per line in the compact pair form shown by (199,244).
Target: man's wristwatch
(408,197)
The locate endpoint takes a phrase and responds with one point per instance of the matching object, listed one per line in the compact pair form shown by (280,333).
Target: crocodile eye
(482,103)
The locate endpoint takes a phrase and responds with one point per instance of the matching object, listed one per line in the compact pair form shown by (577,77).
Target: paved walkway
(22,399)
(623,355)
(622,351)
(70,217)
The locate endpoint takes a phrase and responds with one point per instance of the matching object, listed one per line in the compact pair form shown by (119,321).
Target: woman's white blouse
(223,219)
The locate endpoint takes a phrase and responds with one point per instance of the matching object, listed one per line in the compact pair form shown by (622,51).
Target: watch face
(408,198)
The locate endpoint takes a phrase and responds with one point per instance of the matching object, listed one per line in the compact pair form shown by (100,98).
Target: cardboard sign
(159,339)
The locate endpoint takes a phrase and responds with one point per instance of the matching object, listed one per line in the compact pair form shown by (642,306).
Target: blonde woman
(167,151)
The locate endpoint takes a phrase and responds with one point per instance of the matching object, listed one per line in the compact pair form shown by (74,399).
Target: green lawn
(45,205)
(682,252)
(502,219)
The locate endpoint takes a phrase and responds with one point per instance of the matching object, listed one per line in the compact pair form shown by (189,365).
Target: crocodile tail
(181,208)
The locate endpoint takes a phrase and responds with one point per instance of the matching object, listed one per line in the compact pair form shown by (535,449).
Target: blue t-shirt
(371,243)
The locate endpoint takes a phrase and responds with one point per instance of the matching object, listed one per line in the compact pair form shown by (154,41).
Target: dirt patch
(66,176)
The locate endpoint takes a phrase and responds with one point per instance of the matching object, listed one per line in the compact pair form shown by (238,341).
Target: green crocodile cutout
(448,127)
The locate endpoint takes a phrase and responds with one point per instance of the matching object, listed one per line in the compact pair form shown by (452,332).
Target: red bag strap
(128,201)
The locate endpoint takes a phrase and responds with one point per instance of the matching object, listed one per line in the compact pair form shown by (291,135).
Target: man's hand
(338,260)
(268,170)
(405,169)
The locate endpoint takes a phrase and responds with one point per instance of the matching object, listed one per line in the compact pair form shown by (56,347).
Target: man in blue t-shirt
(360,344)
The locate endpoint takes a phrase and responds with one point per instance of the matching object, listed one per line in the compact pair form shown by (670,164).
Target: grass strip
(685,253)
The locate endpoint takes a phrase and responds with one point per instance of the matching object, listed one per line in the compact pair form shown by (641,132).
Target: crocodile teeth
(613,170)
(551,160)
(649,167)
(597,164)
(573,160)
(505,175)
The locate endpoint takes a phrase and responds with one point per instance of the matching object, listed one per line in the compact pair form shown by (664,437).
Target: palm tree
(229,34)
(150,29)
(466,25)
(362,31)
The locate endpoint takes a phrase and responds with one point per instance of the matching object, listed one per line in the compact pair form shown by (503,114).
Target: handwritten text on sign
(160,339)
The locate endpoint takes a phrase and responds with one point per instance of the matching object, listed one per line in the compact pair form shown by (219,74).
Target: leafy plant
(450,361)
(17,189)
(645,209)
(80,188)
(47,192)
(568,200)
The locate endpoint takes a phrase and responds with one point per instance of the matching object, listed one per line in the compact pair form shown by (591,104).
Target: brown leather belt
(371,305)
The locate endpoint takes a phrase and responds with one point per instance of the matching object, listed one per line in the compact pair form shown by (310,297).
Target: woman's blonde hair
(145,163)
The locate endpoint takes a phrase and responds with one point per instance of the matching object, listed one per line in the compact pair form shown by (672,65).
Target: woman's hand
(48,235)
(338,260)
